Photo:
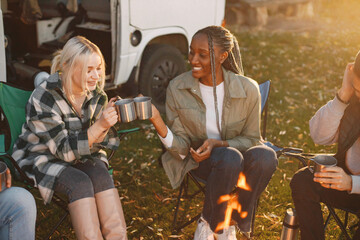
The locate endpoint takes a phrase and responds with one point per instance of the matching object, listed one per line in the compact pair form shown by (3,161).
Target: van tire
(160,64)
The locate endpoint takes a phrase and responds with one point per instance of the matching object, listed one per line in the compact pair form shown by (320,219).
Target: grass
(306,69)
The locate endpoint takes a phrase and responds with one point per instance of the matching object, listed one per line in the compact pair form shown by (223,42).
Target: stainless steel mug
(126,110)
(322,161)
(290,230)
(3,169)
(143,107)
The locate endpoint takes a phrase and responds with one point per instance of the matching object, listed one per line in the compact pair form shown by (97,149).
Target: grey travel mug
(126,110)
(290,228)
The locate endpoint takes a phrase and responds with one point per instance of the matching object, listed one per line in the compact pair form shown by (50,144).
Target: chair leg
(338,221)
(188,222)
(56,226)
(327,221)
(178,205)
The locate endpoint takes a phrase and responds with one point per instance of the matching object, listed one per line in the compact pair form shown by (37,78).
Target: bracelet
(338,97)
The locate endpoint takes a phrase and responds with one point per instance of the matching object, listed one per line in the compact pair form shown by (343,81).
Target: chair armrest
(126,131)
(282,150)
(122,133)
(2,144)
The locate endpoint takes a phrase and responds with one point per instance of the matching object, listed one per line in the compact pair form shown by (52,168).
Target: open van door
(2,51)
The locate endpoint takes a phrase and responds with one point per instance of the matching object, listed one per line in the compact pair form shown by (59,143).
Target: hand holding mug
(109,115)
(8,178)
(334,178)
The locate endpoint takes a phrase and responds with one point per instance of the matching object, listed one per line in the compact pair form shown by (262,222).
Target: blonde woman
(68,122)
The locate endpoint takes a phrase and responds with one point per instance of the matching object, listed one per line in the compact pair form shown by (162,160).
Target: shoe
(228,233)
(203,231)
(246,235)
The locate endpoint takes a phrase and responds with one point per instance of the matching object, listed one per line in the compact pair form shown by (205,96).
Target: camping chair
(304,158)
(12,116)
(190,178)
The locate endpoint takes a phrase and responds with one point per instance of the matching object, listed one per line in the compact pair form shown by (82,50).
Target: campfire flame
(233,203)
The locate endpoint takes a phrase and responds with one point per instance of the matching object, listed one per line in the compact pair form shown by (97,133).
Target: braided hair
(223,38)
(227,42)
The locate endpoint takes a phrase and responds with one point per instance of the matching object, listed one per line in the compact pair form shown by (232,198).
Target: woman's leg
(260,163)
(221,172)
(97,171)
(82,206)
(17,214)
(108,203)
(307,196)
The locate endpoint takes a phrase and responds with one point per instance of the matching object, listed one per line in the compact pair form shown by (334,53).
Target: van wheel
(160,64)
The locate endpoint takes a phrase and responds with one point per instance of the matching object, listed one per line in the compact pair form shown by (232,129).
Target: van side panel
(2,51)
(189,14)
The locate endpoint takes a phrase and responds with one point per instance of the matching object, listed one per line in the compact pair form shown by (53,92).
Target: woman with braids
(68,123)
(213,130)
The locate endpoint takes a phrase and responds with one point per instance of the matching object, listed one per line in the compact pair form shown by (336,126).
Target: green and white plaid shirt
(54,136)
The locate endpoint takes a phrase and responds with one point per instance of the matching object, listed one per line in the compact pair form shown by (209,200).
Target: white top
(207,95)
(324,129)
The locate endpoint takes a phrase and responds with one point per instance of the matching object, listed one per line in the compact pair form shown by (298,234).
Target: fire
(233,203)
(242,183)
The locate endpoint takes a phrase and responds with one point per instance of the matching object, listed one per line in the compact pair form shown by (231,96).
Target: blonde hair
(76,53)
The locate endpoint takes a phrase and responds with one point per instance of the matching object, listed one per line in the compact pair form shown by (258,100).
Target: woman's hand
(347,89)
(334,178)
(8,178)
(109,116)
(155,114)
(204,151)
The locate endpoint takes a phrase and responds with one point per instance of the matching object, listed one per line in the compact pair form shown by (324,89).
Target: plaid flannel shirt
(55,137)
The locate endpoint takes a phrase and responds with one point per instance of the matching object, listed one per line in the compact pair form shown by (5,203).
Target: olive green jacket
(186,113)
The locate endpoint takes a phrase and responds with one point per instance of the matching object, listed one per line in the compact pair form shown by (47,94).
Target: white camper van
(144,42)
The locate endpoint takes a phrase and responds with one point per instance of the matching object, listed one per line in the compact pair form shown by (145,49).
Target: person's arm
(325,123)
(108,118)
(8,178)
(180,144)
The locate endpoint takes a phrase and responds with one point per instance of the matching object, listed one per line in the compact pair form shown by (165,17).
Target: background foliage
(306,69)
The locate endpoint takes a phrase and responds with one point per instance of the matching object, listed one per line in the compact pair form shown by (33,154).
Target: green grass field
(306,69)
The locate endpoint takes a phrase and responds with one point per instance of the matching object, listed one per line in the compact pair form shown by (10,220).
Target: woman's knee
(24,201)
(75,184)
(99,176)
(263,157)
(301,183)
(233,159)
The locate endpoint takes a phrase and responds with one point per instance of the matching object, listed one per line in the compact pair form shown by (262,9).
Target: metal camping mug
(290,228)
(125,109)
(322,161)
(143,107)
(3,169)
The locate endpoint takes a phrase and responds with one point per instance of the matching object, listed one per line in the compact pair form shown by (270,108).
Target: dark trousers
(221,172)
(307,196)
(83,180)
